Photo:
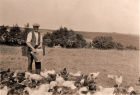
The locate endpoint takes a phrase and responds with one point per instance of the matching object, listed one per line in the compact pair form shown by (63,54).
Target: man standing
(34,41)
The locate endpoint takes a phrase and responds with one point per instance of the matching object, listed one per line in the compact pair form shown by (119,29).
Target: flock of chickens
(63,83)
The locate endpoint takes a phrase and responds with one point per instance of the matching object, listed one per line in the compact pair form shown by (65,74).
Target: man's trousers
(37,64)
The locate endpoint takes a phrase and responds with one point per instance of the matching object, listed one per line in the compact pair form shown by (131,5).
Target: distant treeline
(63,37)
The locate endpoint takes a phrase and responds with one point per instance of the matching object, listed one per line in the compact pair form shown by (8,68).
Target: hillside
(125,39)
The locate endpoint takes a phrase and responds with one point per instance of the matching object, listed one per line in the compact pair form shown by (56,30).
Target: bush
(65,38)
(3,33)
(118,46)
(131,47)
(102,42)
(47,40)
(14,36)
(88,45)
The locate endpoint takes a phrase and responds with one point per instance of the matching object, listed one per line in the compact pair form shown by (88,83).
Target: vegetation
(106,42)
(65,38)
(102,42)
(130,47)
(14,36)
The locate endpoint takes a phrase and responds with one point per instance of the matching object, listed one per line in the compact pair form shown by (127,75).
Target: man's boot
(38,67)
(38,71)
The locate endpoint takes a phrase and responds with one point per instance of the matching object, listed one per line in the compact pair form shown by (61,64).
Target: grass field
(117,62)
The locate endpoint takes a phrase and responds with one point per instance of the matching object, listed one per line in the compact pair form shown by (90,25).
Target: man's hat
(36,25)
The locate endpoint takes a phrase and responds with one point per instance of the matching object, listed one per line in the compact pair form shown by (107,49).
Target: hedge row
(61,37)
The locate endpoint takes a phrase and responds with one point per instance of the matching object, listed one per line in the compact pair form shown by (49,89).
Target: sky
(121,16)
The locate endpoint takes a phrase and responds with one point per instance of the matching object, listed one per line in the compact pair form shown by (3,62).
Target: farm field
(116,62)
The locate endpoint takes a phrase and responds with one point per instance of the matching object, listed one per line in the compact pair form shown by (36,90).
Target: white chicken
(52,84)
(69,84)
(59,80)
(33,76)
(82,81)
(46,73)
(15,73)
(105,91)
(59,90)
(131,91)
(4,91)
(44,87)
(94,75)
(51,72)
(40,91)
(76,74)
(118,80)
(111,76)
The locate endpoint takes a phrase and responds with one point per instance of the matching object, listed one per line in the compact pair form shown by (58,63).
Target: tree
(103,42)
(3,33)
(65,38)
(25,33)
(14,36)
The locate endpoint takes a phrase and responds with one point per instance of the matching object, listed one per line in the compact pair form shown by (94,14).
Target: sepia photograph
(69,47)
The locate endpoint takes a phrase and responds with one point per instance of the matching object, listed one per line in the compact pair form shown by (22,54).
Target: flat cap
(36,25)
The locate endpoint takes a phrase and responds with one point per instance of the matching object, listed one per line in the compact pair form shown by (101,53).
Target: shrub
(64,38)
(47,40)
(3,33)
(131,47)
(103,42)
(88,45)
(25,33)
(14,36)
(118,46)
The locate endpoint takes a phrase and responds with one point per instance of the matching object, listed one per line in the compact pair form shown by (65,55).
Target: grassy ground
(123,63)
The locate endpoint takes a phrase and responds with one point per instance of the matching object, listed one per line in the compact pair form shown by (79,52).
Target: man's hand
(34,50)
(39,47)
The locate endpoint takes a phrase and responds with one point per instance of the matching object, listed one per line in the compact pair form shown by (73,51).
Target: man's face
(36,29)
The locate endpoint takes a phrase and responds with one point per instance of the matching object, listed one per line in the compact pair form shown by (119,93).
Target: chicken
(69,84)
(4,91)
(131,91)
(118,80)
(34,77)
(41,91)
(52,84)
(64,74)
(15,73)
(76,74)
(111,76)
(51,72)
(83,91)
(59,80)
(105,91)
(94,75)
(59,90)
(82,81)
(44,87)
(46,73)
